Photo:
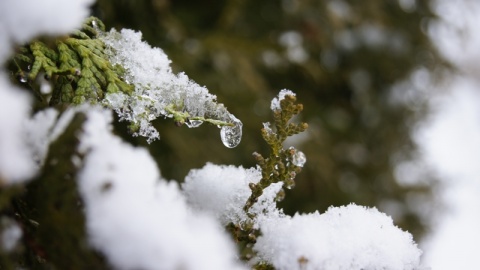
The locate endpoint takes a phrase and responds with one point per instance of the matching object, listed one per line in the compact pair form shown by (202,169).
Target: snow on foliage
(136,218)
(275,104)
(158,91)
(348,237)
(223,190)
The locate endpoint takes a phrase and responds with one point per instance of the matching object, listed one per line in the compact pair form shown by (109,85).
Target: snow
(347,237)
(15,162)
(156,87)
(136,218)
(275,104)
(38,133)
(22,20)
(221,190)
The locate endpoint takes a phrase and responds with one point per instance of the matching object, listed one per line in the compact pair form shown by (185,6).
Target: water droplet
(299,159)
(232,135)
(193,123)
(23,79)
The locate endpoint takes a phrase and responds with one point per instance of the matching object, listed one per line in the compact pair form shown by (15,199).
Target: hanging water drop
(232,135)
(299,159)
(193,123)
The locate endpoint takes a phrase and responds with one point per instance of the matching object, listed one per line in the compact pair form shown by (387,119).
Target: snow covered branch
(95,201)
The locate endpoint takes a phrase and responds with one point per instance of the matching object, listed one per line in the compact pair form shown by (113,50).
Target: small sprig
(282,165)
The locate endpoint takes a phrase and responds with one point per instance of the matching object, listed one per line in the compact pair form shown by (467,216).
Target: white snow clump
(136,218)
(157,89)
(22,20)
(15,162)
(223,190)
(347,237)
(275,104)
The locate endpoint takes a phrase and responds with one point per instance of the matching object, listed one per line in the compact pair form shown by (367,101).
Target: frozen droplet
(232,135)
(193,123)
(22,79)
(268,128)
(151,117)
(299,159)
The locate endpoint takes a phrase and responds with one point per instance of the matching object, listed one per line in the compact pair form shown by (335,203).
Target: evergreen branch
(282,165)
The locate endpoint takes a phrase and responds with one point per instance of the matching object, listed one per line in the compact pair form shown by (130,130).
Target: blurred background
(388,88)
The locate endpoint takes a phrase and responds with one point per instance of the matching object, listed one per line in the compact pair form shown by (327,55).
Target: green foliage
(77,66)
(280,165)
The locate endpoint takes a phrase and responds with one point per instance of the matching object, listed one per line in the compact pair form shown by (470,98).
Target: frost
(348,237)
(137,219)
(159,92)
(299,158)
(275,104)
(268,128)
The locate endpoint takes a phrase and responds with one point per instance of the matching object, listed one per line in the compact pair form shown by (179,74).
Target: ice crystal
(299,158)
(275,105)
